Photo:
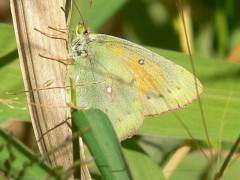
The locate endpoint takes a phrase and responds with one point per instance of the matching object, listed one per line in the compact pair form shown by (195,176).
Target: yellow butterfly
(134,81)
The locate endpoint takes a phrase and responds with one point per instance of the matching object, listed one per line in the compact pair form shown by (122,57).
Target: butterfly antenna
(89,10)
(75,4)
(181,13)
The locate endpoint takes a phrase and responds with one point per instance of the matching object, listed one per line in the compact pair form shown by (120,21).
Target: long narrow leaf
(142,166)
(100,137)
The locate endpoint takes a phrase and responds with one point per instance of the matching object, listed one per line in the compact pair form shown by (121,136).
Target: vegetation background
(214,32)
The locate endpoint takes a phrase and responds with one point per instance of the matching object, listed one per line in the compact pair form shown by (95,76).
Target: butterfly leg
(63,61)
(56,126)
(53,36)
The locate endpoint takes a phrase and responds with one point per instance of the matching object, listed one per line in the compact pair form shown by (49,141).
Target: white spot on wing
(109,90)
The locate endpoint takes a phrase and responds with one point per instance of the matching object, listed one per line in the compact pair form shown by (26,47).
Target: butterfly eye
(141,61)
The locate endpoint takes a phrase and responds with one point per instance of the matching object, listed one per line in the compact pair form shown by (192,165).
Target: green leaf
(220,100)
(11,80)
(141,165)
(12,107)
(101,139)
(7,40)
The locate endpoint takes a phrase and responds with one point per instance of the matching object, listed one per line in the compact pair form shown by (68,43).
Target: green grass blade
(7,40)
(12,82)
(99,135)
(141,165)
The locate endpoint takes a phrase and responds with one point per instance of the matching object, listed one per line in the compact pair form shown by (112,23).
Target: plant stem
(228,158)
(75,141)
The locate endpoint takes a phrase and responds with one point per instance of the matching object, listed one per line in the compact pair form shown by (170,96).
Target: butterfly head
(82,29)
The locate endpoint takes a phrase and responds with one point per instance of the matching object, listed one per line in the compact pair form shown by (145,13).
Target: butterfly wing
(115,94)
(164,85)
(133,82)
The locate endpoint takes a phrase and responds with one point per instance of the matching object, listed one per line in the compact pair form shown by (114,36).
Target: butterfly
(134,82)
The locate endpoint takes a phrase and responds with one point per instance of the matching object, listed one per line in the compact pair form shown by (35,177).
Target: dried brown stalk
(177,158)
(28,15)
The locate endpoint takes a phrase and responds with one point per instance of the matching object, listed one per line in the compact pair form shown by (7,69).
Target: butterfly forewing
(165,86)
